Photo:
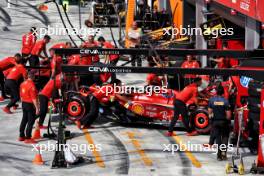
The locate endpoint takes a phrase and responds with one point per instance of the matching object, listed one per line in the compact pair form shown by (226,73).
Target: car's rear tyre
(201,121)
(254,108)
(254,88)
(254,116)
(93,111)
(254,104)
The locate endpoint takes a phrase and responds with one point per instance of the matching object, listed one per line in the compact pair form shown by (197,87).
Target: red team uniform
(28,42)
(46,94)
(28,94)
(5,64)
(12,84)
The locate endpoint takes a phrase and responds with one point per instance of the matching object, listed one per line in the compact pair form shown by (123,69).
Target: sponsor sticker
(138,109)
(244,81)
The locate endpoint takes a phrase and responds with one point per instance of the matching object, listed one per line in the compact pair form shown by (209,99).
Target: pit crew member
(99,94)
(219,111)
(30,107)
(5,64)
(112,58)
(39,47)
(88,60)
(189,63)
(56,60)
(134,34)
(154,79)
(28,42)
(186,97)
(45,95)
(12,83)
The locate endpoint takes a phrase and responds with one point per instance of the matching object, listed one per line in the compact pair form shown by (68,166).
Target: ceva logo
(98,69)
(89,51)
(244,81)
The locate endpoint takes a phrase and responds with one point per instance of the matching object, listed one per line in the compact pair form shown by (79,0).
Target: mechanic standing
(12,83)
(30,107)
(112,58)
(134,37)
(28,42)
(184,98)
(56,60)
(87,59)
(219,111)
(189,63)
(222,62)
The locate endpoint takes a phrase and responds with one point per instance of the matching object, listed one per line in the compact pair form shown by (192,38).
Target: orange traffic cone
(36,134)
(43,7)
(38,158)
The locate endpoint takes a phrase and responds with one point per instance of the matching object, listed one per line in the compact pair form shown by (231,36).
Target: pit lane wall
(251,8)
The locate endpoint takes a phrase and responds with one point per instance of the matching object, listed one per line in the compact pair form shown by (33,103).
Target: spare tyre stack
(254,100)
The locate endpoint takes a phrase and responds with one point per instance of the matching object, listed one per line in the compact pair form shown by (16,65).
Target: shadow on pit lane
(7,18)
(42,16)
(11,160)
(148,126)
(104,123)
(16,144)
(99,121)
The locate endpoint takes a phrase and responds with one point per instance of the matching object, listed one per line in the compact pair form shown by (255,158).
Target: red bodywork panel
(242,89)
(260,162)
(251,8)
(157,106)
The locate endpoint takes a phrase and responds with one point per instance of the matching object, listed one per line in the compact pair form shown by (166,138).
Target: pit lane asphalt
(132,150)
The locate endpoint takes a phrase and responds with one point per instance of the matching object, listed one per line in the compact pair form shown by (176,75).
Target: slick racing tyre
(76,107)
(254,104)
(93,111)
(254,88)
(254,116)
(201,121)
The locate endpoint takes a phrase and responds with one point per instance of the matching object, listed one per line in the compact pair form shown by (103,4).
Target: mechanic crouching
(45,95)
(5,64)
(183,98)
(219,111)
(12,83)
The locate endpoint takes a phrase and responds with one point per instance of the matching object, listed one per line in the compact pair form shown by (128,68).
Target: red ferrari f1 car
(91,102)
